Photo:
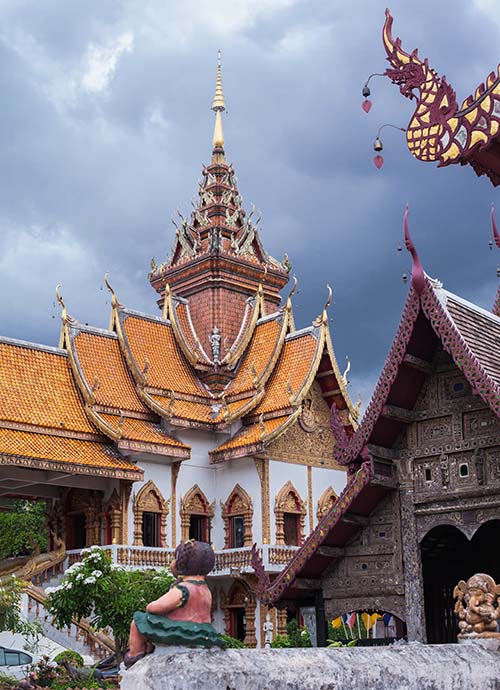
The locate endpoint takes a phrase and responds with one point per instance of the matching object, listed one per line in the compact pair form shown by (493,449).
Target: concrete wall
(401,667)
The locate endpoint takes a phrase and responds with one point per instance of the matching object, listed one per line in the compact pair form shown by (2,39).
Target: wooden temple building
(208,419)
(421,509)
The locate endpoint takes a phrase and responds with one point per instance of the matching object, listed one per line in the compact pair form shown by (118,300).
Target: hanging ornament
(379,161)
(366,105)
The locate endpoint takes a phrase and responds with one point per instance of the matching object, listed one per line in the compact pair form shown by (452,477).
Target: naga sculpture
(441,130)
(475,607)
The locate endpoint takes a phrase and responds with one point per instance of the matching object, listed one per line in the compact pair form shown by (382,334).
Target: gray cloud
(95,162)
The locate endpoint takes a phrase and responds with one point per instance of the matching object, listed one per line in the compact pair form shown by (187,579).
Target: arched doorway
(447,557)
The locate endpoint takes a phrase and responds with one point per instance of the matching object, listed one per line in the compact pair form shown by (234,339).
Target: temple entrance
(238,624)
(447,557)
(76,533)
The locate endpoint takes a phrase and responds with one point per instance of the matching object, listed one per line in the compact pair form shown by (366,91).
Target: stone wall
(399,667)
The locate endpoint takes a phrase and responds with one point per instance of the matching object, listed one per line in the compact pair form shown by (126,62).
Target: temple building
(207,419)
(421,509)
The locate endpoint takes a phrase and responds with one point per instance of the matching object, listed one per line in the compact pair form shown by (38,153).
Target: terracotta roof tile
(291,371)
(140,430)
(153,347)
(101,363)
(60,449)
(249,435)
(37,387)
(258,354)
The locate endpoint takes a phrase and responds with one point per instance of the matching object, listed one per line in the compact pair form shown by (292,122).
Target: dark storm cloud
(95,162)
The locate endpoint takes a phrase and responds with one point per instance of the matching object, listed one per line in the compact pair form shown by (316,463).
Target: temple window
(196,515)
(428,474)
(291,529)
(327,500)
(237,513)
(199,528)
(150,516)
(463,469)
(151,529)
(290,511)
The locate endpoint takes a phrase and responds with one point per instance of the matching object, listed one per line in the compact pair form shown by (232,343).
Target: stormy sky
(105,122)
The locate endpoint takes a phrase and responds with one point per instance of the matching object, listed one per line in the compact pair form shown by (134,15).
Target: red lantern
(366,105)
(379,161)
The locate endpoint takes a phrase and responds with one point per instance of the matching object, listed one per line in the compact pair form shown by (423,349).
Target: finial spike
(417,271)
(114,299)
(218,106)
(496,236)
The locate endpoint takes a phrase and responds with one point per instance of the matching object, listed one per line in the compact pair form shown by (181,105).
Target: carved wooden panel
(480,423)
(310,440)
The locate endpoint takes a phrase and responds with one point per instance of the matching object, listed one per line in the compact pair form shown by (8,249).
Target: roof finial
(417,271)
(218,106)
(496,236)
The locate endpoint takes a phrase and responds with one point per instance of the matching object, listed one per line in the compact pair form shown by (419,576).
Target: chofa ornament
(477,607)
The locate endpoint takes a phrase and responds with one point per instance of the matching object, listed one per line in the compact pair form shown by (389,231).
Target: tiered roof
(108,398)
(43,423)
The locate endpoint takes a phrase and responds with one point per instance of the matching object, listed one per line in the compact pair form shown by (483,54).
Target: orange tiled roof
(60,449)
(152,345)
(291,372)
(103,368)
(140,430)
(37,387)
(258,355)
(250,435)
(198,412)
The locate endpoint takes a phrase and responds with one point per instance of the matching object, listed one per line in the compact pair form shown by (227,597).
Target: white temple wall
(322,478)
(279,474)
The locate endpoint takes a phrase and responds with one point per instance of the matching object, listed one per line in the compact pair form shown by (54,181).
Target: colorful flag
(337,622)
(387,618)
(366,618)
(351,620)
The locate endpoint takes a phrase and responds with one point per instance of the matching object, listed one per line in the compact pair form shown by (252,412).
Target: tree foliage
(10,610)
(22,528)
(105,593)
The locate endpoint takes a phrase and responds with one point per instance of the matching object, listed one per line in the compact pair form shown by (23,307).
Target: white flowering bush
(105,593)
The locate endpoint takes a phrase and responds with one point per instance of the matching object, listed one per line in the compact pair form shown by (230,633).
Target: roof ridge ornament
(494,228)
(218,106)
(417,271)
(322,319)
(114,300)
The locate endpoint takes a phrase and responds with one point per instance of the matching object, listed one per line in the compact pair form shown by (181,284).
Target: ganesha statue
(182,616)
(476,607)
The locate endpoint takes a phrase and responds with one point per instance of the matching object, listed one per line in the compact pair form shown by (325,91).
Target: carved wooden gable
(309,440)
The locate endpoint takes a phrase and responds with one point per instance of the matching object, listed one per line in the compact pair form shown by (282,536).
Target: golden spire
(218,106)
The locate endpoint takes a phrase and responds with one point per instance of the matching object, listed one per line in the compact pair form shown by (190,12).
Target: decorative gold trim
(258,309)
(238,503)
(326,501)
(145,500)
(288,500)
(194,502)
(310,498)
(262,467)
(175,469)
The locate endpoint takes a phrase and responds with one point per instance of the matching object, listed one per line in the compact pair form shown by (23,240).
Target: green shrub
(280,642)
(23,528)
(7,682)
(71,657)
(232,642)
(105,593)
(299,636)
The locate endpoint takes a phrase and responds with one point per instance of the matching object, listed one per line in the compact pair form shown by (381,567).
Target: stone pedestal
(491,643)
(411,666)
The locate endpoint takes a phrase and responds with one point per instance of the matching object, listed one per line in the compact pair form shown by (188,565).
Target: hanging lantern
(405,278)
(378,161)
(366,105)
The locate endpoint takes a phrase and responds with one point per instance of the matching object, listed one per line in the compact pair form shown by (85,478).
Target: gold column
(310,498)
(262,467)
(175,473)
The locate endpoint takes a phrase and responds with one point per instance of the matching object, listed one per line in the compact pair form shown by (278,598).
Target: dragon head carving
(408,70)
